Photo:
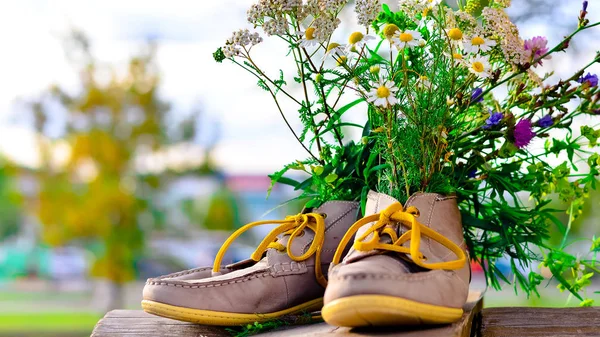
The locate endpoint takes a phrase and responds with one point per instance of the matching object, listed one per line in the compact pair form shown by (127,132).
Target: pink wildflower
(535,48)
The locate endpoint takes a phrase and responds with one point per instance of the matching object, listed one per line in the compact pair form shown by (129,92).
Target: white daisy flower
(480,66)
(308,38)
(423,82)
(407,39)
(335,49)
(426,23)
(357,41)
(383,94)
(477,44)
(457,58)
(341,60)
(456,36)
(432,3)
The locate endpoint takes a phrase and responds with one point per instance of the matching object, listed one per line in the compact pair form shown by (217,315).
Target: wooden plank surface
(138,323)
(540,322)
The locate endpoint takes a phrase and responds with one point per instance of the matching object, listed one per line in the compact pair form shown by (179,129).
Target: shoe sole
(220,318)
(379,310)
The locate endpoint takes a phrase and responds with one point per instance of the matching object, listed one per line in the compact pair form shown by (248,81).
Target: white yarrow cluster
(271,9)
(324,26)
(331,5)
(276,26)
(511,43)
(413,7)
(366,11)
(239,40)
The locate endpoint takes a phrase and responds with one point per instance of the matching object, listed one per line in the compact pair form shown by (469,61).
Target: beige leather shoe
(284,276)
(408,265)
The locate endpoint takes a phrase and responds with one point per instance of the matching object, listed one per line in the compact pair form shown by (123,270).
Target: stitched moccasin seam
(406,277)
(187,286)
(185,272)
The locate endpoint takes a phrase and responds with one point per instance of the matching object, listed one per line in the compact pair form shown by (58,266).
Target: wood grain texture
(546,322)
(139,323)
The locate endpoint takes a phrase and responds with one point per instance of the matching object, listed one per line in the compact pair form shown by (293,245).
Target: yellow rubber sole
(220,318)
(379,310)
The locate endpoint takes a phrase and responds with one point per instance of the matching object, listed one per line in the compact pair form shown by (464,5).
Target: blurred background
(126,152)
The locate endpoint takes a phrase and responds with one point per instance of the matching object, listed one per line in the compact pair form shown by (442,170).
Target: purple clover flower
(535,48)
(545,121)
(589,79)
(477,96)
(523,133)
(495,118)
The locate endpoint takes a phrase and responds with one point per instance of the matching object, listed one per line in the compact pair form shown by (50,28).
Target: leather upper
(272,284)
(393,274)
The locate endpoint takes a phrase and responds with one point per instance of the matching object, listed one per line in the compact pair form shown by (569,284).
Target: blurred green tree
(223,213)
(99,196)
(10,201)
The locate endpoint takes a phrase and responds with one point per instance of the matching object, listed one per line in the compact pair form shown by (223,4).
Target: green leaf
(305,184)
(507,150)
(318,170)
(386,9)
(341,111)
(288,181)
(331,178)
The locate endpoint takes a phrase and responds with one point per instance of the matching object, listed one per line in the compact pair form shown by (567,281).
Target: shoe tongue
(376,202)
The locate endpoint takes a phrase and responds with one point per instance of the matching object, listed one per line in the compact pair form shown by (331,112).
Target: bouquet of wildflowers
(452,104)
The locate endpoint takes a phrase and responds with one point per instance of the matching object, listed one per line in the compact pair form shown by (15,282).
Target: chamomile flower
(357,41)
(341,60)
(476,44)
(308,38)
(423,82)
(390,31)
(407,39)
(432,3)
(455,35)
(457,58)
(426,23)
(480,66)
(335,49)
(383,94)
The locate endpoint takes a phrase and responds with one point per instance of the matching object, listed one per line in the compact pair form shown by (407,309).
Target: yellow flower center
(341,60)
(426,12)
(424,78)
(383,92)
(477,41)
(310,33)
(478,66)
(355,37)
(332,46)
(457,56)
(390,30)
(455,34)
(406,37)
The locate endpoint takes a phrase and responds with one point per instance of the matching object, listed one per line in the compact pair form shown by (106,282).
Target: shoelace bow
(395,213)
(293,226)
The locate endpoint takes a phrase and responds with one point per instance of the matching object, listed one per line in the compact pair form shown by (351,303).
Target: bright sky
(253,137)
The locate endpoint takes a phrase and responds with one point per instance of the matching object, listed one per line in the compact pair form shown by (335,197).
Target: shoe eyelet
(301,234)
(324,215)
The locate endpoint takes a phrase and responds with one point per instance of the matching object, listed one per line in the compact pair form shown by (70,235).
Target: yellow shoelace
(395,213)
(294,226)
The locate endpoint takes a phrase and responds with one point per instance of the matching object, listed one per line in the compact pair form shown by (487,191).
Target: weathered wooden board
(139,323)
(540,322)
